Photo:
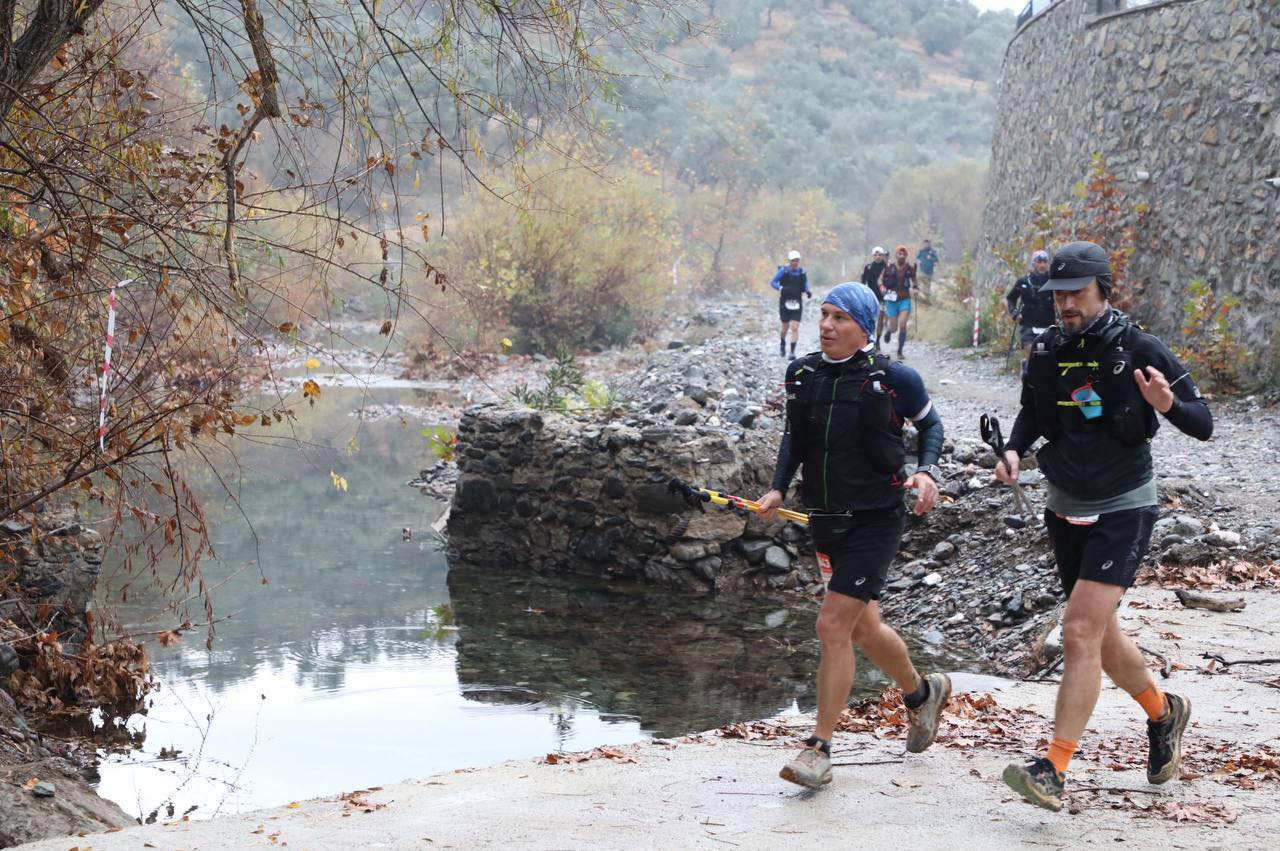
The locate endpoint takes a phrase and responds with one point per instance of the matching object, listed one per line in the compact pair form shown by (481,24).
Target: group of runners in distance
(1093,384)
(894,285)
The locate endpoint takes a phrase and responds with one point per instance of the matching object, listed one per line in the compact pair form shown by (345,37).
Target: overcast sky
(1010,5)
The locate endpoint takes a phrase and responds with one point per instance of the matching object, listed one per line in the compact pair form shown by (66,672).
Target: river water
(364,661)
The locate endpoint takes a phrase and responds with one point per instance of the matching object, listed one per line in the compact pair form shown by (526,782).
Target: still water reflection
(365,661)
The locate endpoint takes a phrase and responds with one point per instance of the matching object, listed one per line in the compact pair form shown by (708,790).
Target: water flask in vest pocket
(1089,401)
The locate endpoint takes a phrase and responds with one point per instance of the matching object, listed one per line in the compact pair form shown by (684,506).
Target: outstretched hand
(928,492)
(1155,390)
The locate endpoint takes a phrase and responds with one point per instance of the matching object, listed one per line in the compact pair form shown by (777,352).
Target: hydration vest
(844,430)
(1058,363)
(791,284)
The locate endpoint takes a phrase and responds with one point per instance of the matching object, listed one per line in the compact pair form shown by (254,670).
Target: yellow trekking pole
(695,495)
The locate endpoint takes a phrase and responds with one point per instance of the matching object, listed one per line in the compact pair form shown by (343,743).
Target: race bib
(824,566)
(792,304)
(1085,520)
(891,295)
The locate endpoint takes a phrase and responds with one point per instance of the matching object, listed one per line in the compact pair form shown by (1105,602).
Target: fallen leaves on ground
(356,800)
(612,754)
(970,720)
(1228,573)
(750,731)
(1186,812)
(1248,769)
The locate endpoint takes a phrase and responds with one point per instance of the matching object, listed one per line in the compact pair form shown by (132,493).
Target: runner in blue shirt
(792,285)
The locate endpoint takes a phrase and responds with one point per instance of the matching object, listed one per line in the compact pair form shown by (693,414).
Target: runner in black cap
(1092,389)
(1030,305)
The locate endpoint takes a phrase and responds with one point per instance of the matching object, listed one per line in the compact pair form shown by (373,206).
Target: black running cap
(1076,265)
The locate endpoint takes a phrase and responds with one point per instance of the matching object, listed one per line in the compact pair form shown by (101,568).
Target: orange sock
(1153,703)
(1060,753)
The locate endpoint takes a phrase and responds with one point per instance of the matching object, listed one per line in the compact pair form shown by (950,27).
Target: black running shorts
(790,315)
(1109,550)
(860,547)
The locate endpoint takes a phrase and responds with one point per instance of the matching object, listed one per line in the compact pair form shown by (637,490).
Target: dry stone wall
(1183,99)
(553,494)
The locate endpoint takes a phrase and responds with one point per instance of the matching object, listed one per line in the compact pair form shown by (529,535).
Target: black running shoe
(1038,782)
(888,336)
(1165,738)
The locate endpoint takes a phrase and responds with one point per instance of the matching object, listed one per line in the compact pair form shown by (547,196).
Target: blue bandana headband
(858,301)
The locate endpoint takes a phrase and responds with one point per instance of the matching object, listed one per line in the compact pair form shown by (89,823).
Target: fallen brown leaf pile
(1229,573)
(970,720)
(750,731)
(613,754)
(1185,812)
(357,801)
(1247,770)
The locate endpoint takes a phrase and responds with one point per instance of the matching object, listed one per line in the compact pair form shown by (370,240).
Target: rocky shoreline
(44,788)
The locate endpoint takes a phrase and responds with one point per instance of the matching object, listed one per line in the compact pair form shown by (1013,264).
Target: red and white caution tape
(977,312)
(106,363)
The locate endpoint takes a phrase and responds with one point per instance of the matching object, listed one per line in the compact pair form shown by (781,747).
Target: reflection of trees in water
(676,663)
(344,588)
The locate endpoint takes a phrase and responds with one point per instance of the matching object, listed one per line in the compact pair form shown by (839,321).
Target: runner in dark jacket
(846,406)
(1032,308)
(871,280)
(1092,390)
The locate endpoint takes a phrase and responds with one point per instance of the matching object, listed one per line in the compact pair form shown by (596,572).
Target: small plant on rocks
(1213,353)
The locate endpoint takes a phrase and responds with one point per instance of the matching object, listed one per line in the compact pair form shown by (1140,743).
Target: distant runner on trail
(1031,306)
(899,276)
(845,409)
(871,278)
(926,261)
(792,284)
(1091,390)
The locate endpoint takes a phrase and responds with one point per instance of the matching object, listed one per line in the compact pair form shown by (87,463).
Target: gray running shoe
(1038,782)
(925,717)
(811,768)
(1165,739)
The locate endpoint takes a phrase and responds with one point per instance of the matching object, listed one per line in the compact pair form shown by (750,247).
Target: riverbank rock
(58,802)
(52,564)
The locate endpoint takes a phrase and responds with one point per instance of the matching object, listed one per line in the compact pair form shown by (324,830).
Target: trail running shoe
(888,336)
(1038,782)
(924,718)
(1165,737)
(811,768)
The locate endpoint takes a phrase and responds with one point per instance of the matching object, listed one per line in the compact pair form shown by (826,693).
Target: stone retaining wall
(550,493)
(1181,98)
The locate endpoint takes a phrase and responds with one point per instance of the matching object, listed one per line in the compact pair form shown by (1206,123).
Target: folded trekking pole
(992,436)
(696,496)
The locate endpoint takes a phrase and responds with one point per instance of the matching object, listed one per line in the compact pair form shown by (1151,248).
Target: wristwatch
(933,471)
